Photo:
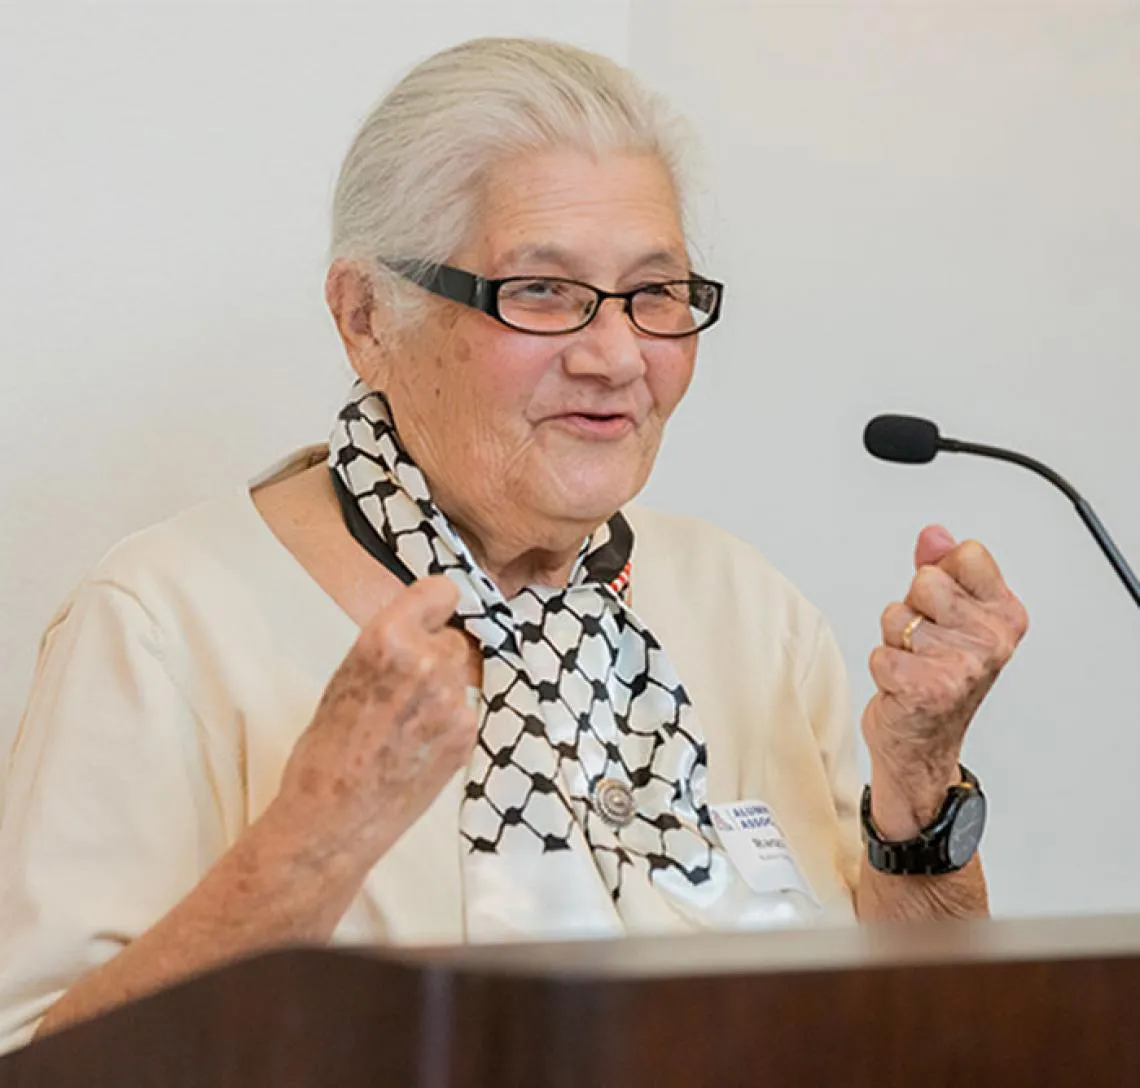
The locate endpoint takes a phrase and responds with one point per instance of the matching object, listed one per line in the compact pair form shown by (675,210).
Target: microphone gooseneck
(914,441)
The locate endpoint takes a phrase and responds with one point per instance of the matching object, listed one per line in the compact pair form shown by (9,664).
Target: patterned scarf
(583,810)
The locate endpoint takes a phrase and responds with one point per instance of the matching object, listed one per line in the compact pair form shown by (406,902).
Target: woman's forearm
(272,887)
(393,726)
(882,897)
(901,806)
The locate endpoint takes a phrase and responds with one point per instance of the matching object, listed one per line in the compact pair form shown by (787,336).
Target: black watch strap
(932,852)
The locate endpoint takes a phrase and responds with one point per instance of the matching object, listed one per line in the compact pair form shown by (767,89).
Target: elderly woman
(436,681)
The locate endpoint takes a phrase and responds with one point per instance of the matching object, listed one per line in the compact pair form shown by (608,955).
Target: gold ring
(908,633)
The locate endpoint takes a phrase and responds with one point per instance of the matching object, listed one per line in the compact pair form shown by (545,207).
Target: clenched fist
(943,648)
(393,726)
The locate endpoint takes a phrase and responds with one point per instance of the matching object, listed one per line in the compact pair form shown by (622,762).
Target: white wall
(918,206)
(933,207)
(165,178)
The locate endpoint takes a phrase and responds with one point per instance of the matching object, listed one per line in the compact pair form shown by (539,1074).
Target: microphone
(909,440)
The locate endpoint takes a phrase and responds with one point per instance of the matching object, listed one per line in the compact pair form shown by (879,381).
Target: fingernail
(940,535)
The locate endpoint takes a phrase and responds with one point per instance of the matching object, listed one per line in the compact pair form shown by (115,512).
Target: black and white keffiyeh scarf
(584,807)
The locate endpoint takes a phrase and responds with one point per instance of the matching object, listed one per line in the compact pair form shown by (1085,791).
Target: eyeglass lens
(548,305)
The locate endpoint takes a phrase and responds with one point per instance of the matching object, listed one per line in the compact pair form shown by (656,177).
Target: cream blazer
(173,682)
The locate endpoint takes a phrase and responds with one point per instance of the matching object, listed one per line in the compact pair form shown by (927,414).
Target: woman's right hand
(393,726)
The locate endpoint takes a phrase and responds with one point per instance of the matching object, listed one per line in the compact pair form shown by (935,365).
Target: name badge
(755,844)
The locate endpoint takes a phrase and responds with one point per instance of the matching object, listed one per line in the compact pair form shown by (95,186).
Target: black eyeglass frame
(480,293)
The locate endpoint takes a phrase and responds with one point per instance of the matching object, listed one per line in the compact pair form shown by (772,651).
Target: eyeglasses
(553,306)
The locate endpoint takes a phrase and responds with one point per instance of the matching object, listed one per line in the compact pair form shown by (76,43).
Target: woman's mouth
(596,425)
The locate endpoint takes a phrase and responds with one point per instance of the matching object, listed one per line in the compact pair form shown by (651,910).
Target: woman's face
(536,439)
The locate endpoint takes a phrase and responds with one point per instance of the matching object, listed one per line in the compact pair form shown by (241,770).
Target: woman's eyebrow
(541,253)
(667,261)
(664,260)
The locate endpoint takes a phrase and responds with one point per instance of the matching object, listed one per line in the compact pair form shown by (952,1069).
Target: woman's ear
(351,296)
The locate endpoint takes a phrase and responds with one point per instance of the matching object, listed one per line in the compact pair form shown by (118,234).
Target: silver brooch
(614,802)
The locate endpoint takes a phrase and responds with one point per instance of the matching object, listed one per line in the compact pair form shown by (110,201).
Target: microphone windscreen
(908,439)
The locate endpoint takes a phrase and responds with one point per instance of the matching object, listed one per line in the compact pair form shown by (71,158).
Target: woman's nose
(609,348)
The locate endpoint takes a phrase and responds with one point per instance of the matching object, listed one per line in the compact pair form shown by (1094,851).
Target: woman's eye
(665,292)
(538,290)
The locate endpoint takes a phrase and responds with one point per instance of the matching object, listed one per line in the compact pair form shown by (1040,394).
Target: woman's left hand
(971,623)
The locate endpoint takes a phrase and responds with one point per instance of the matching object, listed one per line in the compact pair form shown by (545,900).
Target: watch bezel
(968,799)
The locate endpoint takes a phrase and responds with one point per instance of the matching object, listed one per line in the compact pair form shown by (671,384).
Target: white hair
(409,185)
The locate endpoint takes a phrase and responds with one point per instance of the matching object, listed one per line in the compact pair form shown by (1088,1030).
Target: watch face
(966,832)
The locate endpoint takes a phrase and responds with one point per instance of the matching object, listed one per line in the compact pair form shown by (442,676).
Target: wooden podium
(1009,1004)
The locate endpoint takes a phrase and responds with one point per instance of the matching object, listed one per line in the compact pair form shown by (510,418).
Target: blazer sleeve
(109,818)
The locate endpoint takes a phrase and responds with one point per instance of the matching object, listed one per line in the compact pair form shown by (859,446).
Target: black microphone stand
(1084,510)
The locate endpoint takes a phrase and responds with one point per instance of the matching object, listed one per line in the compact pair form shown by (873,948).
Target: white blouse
(173,683)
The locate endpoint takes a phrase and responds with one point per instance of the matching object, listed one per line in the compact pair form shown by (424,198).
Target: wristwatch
(943,846)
